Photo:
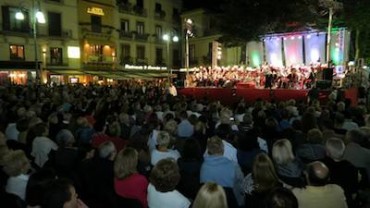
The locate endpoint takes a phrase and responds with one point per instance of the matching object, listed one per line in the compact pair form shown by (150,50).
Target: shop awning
(66,72)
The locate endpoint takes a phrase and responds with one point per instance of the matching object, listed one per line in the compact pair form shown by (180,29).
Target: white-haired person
(16,165)
(162,151)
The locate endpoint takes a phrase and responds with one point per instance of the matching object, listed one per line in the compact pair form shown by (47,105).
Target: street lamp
(188,33)
(168,38)
(36,17)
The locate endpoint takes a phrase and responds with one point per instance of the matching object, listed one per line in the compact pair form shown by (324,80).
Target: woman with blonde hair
(210,195)
(258,184)
(288,167)
(128,183)
(162,151)
(16,166)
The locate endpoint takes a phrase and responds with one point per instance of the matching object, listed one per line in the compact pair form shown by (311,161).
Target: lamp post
(168,38)
(188,33)
(36,17)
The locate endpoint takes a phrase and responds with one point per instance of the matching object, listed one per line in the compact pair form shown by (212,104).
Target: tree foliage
(244,20)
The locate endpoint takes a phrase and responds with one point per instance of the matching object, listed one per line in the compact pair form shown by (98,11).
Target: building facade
(29,48)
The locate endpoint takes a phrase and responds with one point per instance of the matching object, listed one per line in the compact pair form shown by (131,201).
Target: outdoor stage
(230,96)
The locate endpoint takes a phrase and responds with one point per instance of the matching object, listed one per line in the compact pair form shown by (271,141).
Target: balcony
(56,65)
(141,37)
(127,60)
(141,61)
(159,15)
(140,11)
(100,31)
(125,35)
(125,7)
(99,63)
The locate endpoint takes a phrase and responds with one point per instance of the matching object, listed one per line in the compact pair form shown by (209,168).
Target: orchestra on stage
(266,76)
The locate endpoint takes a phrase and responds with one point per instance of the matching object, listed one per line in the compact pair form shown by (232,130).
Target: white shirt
(229,152)
(41,147)
(17,185)
(11,132)
(171,199)
(158,155)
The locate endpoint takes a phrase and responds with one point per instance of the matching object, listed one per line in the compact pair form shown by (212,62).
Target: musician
(268,77)
(293,78)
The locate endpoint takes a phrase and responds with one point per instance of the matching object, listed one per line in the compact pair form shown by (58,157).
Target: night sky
(206,4)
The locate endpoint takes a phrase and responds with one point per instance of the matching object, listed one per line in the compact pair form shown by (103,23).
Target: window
(175,12)
(158,31)
(158,7)
(140,28)
(10,23)
(96,23)
(55,24)
(140,52)
(140,3)
(126,50)
(159,56)
(125,27)
(16,52)
(56,56)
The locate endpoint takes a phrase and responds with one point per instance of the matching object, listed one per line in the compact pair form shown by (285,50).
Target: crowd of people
(131,145)
(266,76)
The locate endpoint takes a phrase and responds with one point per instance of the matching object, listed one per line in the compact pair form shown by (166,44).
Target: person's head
(126,163)
(65,138)
(22,125)
(281,198)
(355,136)
(335,148)
(263,173)
(60,193)
(163,139)
(215,146)
(4,150)
(165,175)
(317,174)
(41,129)
(16,163)
(171,127)
(107,150)
(282,152)
(210,195)
(37,184)
(114,129)
(315,136)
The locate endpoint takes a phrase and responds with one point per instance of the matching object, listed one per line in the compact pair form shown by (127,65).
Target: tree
(356,16)
(243,20)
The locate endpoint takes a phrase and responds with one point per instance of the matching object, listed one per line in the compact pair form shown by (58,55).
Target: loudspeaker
(323,84)
(327,74)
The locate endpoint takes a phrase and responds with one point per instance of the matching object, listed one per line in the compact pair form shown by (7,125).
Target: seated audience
(162,151)
(318,193)
(163,180)
(128,183)
(210,195)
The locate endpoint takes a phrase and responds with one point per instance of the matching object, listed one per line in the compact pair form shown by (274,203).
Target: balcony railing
(125,35)
(141,37)
(160,15)
(125,7)
(141,61)
(140,11)
(89,29)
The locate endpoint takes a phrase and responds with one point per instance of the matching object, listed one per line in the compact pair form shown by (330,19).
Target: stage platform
(229,96)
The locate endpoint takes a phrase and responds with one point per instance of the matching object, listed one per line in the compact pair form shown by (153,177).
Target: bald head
(317,174)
